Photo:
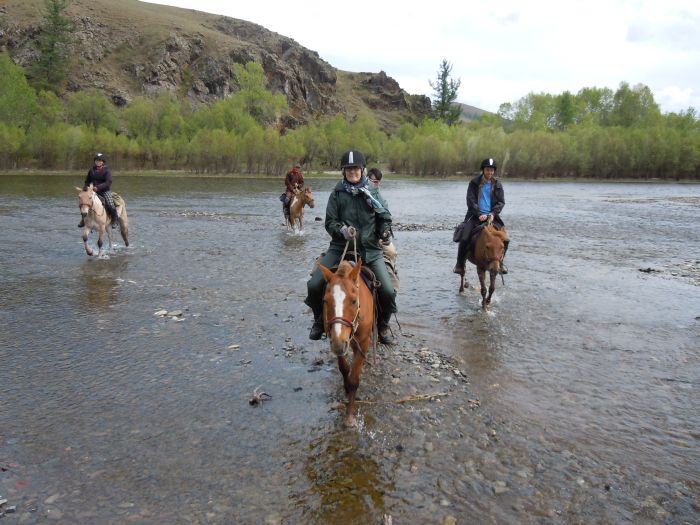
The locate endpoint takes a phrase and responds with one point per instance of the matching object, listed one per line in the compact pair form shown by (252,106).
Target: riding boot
(317,328)
(385,335)
(503,269)
(461,257)
(114,216)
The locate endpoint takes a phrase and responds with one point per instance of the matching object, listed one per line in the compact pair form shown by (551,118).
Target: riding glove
(386,237)
(345,232)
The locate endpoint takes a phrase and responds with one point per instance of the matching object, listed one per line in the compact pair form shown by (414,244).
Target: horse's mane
(501,234)
(344,268)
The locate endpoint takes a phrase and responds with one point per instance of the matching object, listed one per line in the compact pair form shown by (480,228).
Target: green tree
(93,109)
(17,99)
(445,90)
(633,105)
(254,98)
(50,107)
(567,110)
(52,42)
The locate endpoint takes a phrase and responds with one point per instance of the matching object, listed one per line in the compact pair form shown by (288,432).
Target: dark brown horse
(348,313)
(487,256)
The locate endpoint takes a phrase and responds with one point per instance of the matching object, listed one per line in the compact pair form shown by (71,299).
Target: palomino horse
(95,217)
(487,256)
(348,313)
(296,208)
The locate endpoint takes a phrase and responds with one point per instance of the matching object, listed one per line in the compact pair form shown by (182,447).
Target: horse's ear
(79,189)
(356,270)
(327,274)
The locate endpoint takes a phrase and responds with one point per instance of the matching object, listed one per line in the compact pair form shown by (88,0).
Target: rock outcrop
(129,48)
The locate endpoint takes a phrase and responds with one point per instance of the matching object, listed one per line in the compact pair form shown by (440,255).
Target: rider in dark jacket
(294,182)
(100,177)
(485,200)
(355,203)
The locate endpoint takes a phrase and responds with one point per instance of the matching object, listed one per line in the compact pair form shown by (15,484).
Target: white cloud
(502,50)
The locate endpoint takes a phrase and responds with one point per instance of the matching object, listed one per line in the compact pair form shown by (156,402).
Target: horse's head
(341,304)
(85,199)
(309,197)
(490,251)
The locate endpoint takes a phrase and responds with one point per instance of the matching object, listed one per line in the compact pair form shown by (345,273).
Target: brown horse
(348,313)
(296,208)
(95,217)
(487,256)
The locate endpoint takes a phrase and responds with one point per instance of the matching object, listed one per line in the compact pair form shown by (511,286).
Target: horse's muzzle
(83,215)
(339,348)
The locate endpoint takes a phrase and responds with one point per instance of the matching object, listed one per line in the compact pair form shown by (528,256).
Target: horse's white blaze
(339,298)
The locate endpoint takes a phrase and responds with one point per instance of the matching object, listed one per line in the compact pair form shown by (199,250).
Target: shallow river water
(573,400)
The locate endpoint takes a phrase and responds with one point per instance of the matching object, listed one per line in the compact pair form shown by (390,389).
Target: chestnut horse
(296,208)
(487,256)
(348,314)
(95,217)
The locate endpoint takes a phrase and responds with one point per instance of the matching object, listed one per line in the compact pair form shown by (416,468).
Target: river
(574,399)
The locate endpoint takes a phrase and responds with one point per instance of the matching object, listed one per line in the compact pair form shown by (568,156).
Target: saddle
(366,272)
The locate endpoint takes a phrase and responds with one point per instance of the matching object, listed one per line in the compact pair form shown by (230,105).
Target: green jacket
(352,210)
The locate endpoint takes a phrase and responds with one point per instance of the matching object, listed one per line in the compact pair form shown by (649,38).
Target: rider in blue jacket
(485,200)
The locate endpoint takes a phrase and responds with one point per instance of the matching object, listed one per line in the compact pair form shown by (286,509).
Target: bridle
(356,320)
(91,205)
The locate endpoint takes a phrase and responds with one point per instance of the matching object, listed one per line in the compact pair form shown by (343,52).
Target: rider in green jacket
(355,203)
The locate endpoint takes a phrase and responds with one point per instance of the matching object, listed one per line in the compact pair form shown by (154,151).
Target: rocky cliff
(130,48)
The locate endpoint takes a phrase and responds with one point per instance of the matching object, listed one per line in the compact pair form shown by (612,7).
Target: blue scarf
(361,187)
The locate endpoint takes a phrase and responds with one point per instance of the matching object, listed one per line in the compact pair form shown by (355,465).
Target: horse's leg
(344,368)
(482,281)
(88,250)
(492,285)
(100,237)
(461,283)
(353,383)
(124,226)
(109,236)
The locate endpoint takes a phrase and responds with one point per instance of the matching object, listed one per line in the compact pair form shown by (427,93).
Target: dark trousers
(317,283)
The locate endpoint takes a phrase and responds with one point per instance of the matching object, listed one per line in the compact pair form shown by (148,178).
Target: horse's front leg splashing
(88,250)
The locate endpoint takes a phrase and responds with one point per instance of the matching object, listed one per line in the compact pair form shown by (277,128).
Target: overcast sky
(501,50)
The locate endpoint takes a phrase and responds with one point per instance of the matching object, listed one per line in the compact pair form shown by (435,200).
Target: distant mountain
(128,48)
(471,112)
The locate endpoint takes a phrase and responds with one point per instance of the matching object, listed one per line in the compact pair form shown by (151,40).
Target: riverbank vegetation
(596,133)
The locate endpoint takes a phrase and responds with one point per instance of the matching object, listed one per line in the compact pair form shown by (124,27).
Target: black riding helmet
(352,158)
(100,156)
(488,163)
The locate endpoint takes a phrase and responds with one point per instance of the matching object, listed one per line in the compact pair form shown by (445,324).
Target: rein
(104,210)
(342,320)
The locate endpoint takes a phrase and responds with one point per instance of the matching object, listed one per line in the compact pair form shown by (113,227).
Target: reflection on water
(584,373)
(99,280)
(346,479)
